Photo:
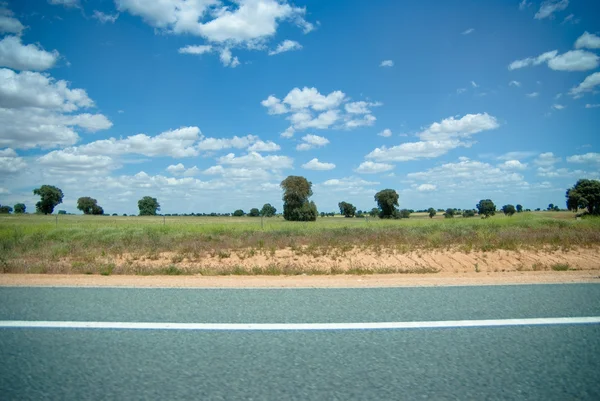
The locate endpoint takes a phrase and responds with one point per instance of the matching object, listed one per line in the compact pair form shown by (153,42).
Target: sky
(207,105)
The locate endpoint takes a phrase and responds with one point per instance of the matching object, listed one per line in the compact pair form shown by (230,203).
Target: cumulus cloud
(10,162)
(546,159)
(15,55)
(513,165)
(261,146)
(211,144)
(415,150)
(514,83)
(369,167)
(180,170)
(574,60)
(311,141)
(315,164)
(386,133)
(588,158)
(9,24)
(588,84)
(588,40)
(451,128)
(227,58)
(549,7)
(542,58)
(196,49)
(387,63)
(426,188)
(557,106)
(38,111)
(104,18)
(352,185)
(69,161)
(286,46)
(256,160)
(532,94)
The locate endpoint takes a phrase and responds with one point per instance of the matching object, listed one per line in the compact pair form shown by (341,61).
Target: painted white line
(17,324)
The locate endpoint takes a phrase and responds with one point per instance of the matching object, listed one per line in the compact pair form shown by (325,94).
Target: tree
(486,208)
(374,212)
(449,213)
(268,210)
(347,209)
(404,214)
(148,206)
(508,210)
(62,212)
(519,208)
(360,214)
(254,212)
(20,208)
(50,197)
(5,209)
(469,213)
(89,205)
(296,206)
(550,207)
(387,200)
(431,212)
(585,194)
(239,213)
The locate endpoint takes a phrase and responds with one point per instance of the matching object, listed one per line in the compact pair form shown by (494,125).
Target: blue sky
(208,104)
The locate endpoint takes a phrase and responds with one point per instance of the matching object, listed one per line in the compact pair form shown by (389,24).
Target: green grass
(87,243)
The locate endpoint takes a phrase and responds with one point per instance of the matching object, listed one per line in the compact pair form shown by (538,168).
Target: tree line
(584,195)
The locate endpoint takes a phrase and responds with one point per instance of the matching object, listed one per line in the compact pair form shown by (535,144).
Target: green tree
(431,211)
(347,209)
(89,205)
(5,209)
(550,207)
(486,208)
(374,212)
(254,212)
(239,213)
(519,208)
(268,210)
(62,212)
(404,214)
(508,210)
(20,208)
(50,197)
(449,213)
(296,206)
(585,194)
(148,206)
(469,213)
(387,200)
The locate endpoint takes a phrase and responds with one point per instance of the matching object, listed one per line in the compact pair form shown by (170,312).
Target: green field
(34,243)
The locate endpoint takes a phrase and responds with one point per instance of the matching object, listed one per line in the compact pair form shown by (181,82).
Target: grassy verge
(38,244)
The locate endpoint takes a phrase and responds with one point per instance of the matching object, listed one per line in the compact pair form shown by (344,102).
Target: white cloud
(542,58)
(360,107)
(516,155)
(256,160)
(588,40)
(315,164)
(196,49)
(311,141)
(286,46)
(474,84)
(546,159)
(369,167)
(66,3)
(17,56)
(8,24)
(349,184)
(227,59)
(366,121)
(306,98)
(574,60)
(104,18)
(10,162)
(208,144)
(571,18)
(588,158)
(532,94)
(524,4)
(260,146)
(557,106)
(414,150)
(288,133)
(248,23)
(587,85)
(451,128)
(36,111)
(514,83)
(513,165)
(69,161)
(461,90)
(179,169)
(426,188)
(549,7)
(387,63)
(303,119)
(468,31)
(274,105)
(386,133)
(592,106)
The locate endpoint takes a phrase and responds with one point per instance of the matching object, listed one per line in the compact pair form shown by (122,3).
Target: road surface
(333,362)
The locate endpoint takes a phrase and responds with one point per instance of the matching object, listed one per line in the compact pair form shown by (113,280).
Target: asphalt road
(549,362)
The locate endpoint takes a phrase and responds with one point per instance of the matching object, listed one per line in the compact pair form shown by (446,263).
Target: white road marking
(24,324)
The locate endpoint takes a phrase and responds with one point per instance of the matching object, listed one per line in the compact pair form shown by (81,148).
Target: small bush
(560,267)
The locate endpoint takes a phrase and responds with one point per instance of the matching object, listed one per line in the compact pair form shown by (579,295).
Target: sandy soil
(338,281)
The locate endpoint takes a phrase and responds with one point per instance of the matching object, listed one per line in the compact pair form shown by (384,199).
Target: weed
(560,267)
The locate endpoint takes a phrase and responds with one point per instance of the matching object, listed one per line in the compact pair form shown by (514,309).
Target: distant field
(32,243)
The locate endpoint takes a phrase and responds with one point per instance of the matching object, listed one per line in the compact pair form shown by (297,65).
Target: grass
(84,244)
(560,267)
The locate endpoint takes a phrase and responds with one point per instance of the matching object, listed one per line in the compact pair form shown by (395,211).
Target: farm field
(107,245)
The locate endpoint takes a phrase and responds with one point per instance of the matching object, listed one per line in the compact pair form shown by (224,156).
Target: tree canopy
(20,208)
(519,208)
(431,211)
(51,196)
(89,205)
(387,200)
(296,206)
(5,209)
(347,209)
(268,210)
(254,212)
(508,210)
(449,213)
(486,208)
(238,213)
(585,194)
(148,206)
